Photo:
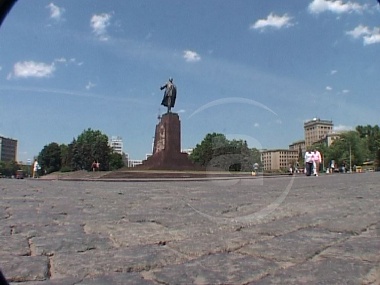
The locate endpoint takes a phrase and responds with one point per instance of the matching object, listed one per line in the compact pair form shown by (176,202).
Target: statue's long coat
(171,90)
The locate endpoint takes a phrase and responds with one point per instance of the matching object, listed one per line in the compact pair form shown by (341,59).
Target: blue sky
(253,70)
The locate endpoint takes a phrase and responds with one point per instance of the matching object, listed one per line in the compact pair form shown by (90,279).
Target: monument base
(161,161)
(167,153)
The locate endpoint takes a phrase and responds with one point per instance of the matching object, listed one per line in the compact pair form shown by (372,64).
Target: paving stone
(326,271)
(5,230)
(127,234)
(25,268)
(61,281)
(357,247)
(15,245)
(71,244)
(130,278)
(228,242)
(220,268)
(295,247)
(94,262)
(117,279)
(45,230)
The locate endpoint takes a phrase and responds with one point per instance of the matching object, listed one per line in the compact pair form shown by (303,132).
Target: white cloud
(32,69)
(332,72)
(359,31)
(369,36)
(345,91)
(334,6)
(61,60)
(328,88)
(191,56)
(256,125)
(67,62)
(373,38)
(90,85)
(99,24)
(342,128)
(55,11)
(273,21)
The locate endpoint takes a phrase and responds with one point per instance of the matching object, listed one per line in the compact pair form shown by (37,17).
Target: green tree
(349,148)
(256,155)
(89,146)
(370,136)
(204,152)
(116,161)
(65,157)
(301,158)
(50,158)
(217,153)
(377,159)
(8,168)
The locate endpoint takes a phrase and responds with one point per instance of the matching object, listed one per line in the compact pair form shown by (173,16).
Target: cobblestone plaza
(249,230)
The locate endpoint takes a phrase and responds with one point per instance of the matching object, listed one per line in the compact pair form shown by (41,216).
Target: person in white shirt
(317,160)
(308,162)
(36,167)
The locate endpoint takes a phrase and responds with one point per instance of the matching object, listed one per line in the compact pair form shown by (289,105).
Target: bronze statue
(170,94)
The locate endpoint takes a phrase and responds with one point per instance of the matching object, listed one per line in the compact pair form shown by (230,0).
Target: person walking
(308,162)
(332,166)
(93,166)
(36,167)
(317,160)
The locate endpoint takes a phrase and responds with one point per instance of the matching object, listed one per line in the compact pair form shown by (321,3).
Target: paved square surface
(283,230)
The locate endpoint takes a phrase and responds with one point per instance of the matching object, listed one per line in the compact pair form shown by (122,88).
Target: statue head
(170,79)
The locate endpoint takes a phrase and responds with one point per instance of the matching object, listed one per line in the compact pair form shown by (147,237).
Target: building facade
(298,145)
(316,129)
(134,162)
(116,143)
(8,149)
(277,159)
(330,138)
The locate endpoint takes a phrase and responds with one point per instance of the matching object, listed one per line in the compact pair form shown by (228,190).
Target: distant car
(20,174)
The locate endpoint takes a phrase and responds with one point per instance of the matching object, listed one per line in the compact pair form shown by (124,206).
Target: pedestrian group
(313,160)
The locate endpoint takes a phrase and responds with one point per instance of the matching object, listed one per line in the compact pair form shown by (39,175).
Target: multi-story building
(116,143)
(188,150)
(298,145)
(276,159)
(134,162)
(328,139)
(8,149)
(316,129)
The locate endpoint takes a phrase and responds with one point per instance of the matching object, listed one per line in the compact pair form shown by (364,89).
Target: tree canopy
(216,152)
(50,158)
(89,146)
(8,168)
(355,147)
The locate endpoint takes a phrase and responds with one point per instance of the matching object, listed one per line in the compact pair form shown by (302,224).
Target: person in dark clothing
(308,162)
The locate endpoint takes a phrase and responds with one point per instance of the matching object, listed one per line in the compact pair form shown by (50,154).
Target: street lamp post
(29,163)
(350,160)
(349,145)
